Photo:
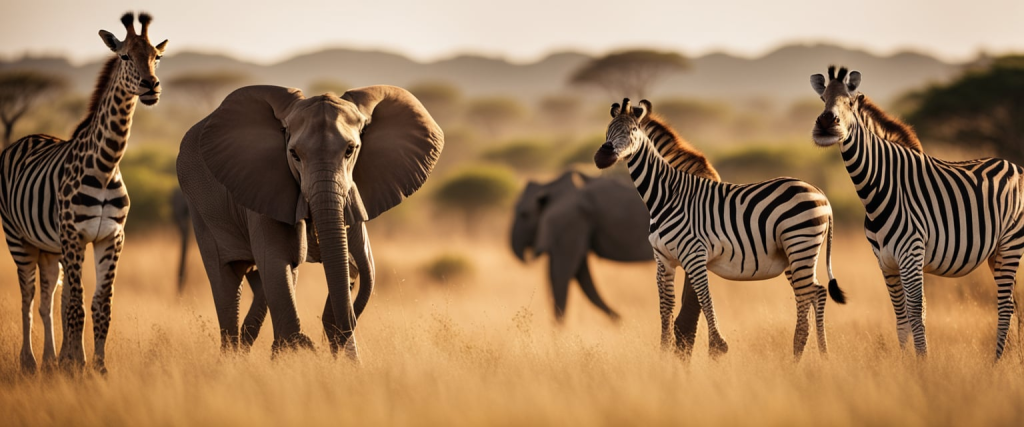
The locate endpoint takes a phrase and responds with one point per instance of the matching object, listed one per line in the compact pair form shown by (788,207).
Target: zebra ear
(854,81)
(615,109)
(818,83)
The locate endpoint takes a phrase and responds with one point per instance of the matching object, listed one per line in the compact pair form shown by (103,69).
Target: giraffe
(58,196)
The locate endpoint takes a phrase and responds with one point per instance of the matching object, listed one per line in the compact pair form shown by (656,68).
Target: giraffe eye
(125,57)
(158,57)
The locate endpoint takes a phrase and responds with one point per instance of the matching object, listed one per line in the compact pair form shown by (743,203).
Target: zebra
(923,214)
(739,231)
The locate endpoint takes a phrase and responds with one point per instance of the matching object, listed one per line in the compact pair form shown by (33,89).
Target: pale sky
(520,30)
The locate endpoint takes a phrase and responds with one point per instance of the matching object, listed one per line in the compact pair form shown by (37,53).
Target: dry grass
(485,351)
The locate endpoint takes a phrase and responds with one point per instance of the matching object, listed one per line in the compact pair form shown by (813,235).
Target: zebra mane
(679,153)
(102,83)
(889,127)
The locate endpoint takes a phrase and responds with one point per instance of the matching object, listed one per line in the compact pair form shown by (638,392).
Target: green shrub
(448,267)
(148,173)
(523,155)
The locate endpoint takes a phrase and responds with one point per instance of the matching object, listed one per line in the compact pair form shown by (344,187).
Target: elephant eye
(348,152)
(294,155)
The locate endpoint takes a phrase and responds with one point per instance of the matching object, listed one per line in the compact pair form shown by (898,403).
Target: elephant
(273,178)
(576,214)
(258,309)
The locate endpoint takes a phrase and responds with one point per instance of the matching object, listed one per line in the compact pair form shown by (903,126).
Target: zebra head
(139,58)
(841,101)
(624,134)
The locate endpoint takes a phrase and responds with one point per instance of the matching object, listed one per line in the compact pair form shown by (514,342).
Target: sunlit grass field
(484,349)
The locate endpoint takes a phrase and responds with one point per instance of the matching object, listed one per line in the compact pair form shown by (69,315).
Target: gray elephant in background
(274,178)
(575,214)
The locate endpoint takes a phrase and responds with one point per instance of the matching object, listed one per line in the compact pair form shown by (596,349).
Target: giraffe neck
(104,136)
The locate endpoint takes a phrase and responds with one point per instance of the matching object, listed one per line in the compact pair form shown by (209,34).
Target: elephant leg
(686,322)
(560,271)
(587,283)
(277,251)
(184,226)
(257,310)
(225,282)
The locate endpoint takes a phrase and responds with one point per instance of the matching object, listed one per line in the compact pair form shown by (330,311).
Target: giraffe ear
(161,47)
(110,40)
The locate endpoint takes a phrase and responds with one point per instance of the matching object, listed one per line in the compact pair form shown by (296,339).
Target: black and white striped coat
(922,214)
(739,232)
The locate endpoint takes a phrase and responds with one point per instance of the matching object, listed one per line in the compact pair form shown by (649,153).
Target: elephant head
(531,207)
(332,160)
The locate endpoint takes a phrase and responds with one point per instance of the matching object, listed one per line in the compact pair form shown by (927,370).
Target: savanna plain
(484,349)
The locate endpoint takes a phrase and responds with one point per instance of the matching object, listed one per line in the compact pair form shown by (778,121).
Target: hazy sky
(522,30)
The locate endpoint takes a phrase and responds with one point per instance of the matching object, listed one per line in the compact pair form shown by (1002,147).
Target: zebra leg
(27,281)
(686,322)
(107,253)
(49,278)
(72,349)
(695,267)
(666,298)
(899,305)
(912,278)
(819,319)
(1004,268)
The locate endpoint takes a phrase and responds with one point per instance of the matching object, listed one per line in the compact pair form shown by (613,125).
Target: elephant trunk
(327,206)
(521,240)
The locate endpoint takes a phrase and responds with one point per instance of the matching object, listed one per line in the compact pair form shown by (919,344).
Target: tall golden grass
(486,351)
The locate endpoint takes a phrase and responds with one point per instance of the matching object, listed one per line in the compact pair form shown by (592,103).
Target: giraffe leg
(666,298)
(695,266)
(49,279)
(107,253)
(912,278)
(72,350)
(1004,267)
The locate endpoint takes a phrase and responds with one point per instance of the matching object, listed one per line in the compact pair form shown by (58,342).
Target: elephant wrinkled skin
(274,178)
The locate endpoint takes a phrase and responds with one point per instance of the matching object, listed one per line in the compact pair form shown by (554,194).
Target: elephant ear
(400,145)
(243,145)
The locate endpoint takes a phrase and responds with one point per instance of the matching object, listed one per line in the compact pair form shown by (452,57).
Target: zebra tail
(834,291)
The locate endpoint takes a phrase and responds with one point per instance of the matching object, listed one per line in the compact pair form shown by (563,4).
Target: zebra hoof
(718,349)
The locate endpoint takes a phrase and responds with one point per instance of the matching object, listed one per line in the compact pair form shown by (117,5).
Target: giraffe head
(138,56)
(624,133)
(841,103)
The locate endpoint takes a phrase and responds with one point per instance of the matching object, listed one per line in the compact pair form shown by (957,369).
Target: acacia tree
(630,72)
(19,91)
(476,190)
(984,106)
(207,87)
